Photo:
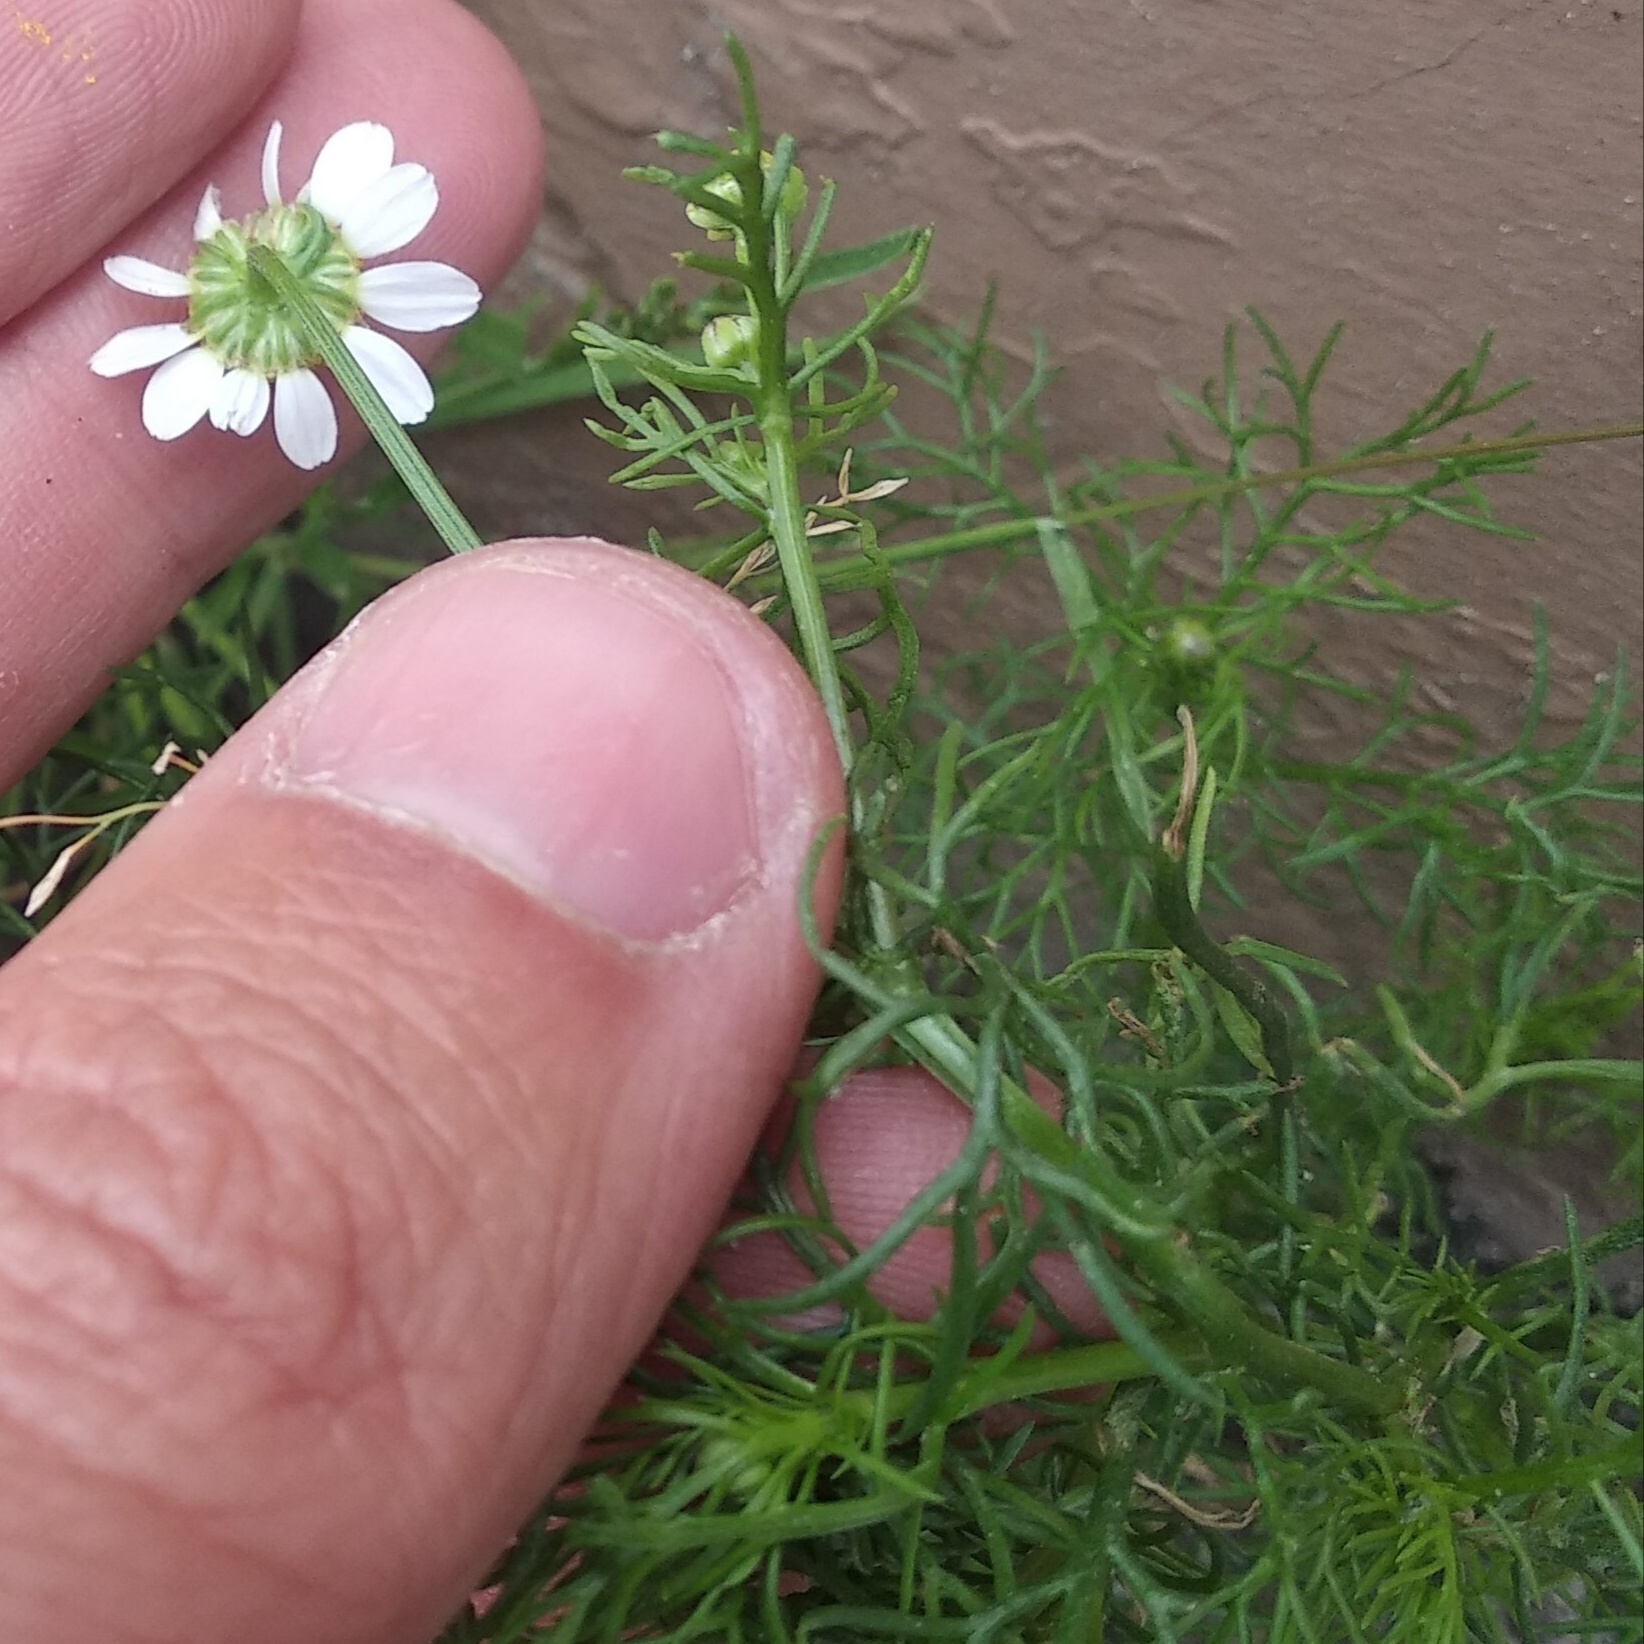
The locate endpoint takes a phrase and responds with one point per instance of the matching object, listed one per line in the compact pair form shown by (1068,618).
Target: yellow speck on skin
(73,50)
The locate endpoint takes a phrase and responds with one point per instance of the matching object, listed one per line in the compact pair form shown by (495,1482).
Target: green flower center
(237,315)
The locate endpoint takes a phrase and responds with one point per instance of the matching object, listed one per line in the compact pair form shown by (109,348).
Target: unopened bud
(716,227)
(729,341)
(1189,643)
(710,222)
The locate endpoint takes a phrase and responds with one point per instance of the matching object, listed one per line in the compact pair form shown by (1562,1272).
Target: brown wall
(1135,171)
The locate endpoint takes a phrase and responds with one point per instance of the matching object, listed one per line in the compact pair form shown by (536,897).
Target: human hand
(357,1125)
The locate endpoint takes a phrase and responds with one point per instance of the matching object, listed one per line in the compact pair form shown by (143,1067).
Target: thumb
(357,1125)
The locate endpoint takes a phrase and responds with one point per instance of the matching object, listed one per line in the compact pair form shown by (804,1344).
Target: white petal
(139,347)
(147,279)
(352,160)
(393,373)
(305,421)
(391,212)
(209,218)
(271,163)
(180,393)
(240,403)
(418,296)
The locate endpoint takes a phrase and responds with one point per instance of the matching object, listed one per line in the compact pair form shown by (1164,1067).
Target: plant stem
(1233,1336)
(1035,1375)
(787,520)
(774,408)
(1621,1462)
(1181,924)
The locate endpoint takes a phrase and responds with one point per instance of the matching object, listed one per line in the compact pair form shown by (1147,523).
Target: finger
(878,1142)
(358,1123)
(104,531)
(106,104)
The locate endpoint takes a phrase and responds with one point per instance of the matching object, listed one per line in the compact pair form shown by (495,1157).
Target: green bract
(236,313)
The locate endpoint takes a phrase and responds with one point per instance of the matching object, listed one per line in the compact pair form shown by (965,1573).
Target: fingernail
(568,729)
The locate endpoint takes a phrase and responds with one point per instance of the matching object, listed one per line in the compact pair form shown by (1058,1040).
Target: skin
(352,1140)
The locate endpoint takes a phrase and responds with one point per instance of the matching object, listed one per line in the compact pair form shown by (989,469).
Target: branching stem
(937,1042)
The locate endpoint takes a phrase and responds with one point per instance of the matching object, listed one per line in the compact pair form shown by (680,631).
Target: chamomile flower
(239,353)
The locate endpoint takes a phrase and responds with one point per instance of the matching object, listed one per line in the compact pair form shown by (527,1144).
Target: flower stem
(774,408)
(427,492)
(787,521)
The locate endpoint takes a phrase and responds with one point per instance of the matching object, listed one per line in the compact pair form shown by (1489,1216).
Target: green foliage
(1316,1424)
(214,666)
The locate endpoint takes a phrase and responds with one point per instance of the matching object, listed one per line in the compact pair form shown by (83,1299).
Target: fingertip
(104,106)
(600,727)
(878,1142)
(370,1154)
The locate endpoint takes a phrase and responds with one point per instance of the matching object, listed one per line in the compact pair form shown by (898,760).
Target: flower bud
(710,222)
(1188,643)
(789,205)
(729,341)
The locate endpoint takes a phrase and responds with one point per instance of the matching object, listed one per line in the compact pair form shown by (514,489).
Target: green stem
(1181,924)
(787,521)
(1232,1336)
(326,341)
(774,408)
(1035,1375)
(1575,1071)
(1621,1462)
(1061,1370)
(1554,1265)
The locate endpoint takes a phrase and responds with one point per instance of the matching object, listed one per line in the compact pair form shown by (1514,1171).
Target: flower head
(239,351)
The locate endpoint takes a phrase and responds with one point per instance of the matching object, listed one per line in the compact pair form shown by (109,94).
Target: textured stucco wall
(1135,171)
